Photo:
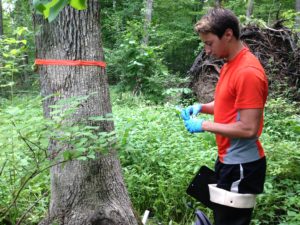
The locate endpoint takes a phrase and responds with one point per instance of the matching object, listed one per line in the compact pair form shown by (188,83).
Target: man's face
(214,46)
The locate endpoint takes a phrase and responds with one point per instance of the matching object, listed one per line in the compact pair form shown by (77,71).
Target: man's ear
(228,34)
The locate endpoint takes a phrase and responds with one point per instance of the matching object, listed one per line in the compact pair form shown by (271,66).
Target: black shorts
(245,178)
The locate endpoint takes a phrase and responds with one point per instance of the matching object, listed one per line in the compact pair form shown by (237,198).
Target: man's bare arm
(246,127)
(208,108)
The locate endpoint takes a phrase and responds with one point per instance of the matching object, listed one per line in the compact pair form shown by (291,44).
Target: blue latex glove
(191,110)
(194,125)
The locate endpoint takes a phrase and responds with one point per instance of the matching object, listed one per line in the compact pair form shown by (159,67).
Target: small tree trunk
(148,18)
(218,3)
(297,22)
(82,192)
(250,8)
(1,18)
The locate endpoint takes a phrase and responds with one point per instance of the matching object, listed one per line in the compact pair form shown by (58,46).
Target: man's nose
(207,50)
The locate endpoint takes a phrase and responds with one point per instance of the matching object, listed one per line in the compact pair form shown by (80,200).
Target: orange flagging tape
(69,62)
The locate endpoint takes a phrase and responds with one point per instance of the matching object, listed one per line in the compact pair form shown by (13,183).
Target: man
(238,106)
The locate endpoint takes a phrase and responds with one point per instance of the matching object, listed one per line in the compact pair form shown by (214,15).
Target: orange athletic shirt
(242,85)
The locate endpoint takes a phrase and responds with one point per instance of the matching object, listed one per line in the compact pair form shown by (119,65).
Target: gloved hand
(191,110)
(194,125)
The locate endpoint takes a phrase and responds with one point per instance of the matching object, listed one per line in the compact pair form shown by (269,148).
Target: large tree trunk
(82,192)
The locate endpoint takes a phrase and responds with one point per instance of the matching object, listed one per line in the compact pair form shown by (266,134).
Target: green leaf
(82,158)
(13,52)
(40,8)
(38,2)
(39,5)
(78,4)
(21,30)
(13,111)
(24,42)
(91,156)
(53,9)
(67,155)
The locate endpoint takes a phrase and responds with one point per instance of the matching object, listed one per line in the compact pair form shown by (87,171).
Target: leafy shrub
(159,159)
(137,67)
(280,202)
(289,17)
(13,66)
(25,160)
(282,119)
(23,145)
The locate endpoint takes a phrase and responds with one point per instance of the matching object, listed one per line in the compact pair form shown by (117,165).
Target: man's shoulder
(250,64)
(250,60)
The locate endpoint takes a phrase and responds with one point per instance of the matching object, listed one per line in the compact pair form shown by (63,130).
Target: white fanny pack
(231,199)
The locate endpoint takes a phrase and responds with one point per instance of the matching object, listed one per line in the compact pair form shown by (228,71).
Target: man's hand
(191,110)
(194,125)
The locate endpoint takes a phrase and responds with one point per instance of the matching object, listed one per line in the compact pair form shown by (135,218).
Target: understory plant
(159,158)
(25,160)
(14,65)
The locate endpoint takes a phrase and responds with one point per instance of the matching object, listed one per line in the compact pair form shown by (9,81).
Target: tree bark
(82,192)
(148,18)
(1,18)
(114,5)
(297,22)
(250,8)
(218,3)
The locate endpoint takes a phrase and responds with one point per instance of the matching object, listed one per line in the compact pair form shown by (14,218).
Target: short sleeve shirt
(242,85)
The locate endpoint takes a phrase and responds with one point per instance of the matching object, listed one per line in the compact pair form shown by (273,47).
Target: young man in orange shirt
(238,107)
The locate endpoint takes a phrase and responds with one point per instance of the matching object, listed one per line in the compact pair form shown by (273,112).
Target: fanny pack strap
(231,199)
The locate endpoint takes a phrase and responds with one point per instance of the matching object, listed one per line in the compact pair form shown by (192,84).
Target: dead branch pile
(278,52)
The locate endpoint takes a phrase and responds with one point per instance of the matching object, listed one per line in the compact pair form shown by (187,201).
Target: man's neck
(235,49)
